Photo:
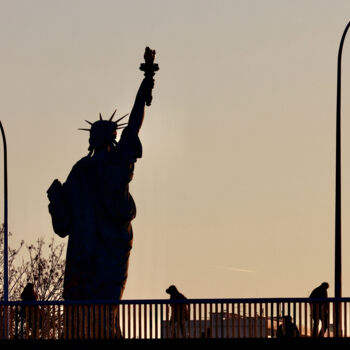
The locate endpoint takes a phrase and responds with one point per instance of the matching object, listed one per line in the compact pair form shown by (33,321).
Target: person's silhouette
(320,309)
(287,329)
(30,314)
(179,311)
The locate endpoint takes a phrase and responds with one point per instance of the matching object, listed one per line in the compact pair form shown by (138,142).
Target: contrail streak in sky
(235,269)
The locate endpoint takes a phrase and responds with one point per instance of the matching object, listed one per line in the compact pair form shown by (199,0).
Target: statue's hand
(54,189)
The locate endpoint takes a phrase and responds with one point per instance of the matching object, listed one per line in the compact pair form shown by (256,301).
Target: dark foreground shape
(215,344)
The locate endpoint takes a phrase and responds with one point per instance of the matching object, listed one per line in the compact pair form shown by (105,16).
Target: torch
(149,68)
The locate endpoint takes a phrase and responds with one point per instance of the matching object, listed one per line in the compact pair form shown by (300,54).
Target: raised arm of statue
(144,95)
(138,110)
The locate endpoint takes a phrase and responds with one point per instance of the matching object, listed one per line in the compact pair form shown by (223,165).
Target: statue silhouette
(94,206)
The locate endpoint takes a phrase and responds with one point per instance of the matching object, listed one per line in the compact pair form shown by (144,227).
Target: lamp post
(6,286)
(338,258)
(5,217)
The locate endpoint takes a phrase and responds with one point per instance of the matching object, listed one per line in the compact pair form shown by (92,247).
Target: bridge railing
(160,319)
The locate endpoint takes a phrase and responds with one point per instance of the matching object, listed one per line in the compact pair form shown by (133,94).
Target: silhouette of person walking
(288,329)
(320,309)
(179,312)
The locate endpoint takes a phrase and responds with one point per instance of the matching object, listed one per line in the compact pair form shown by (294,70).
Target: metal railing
(165,319)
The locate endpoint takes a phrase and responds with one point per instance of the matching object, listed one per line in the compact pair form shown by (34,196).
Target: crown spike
(121,118)
(110,119)
(84,129)
(88,122)
(100,116)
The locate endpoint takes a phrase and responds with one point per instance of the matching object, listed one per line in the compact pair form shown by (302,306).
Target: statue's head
(103,133)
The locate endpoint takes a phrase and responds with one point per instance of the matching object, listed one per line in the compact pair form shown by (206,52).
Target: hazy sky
(235,191)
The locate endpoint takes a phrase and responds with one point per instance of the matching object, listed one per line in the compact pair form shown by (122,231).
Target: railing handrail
(176,301)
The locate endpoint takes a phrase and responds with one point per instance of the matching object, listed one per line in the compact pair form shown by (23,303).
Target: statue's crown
(103,132)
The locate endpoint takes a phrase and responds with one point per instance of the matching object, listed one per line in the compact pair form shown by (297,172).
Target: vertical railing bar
(150,321)
(43,322)
(124,326)
(79,319)
(200,319)
(238,320)
(75,322)
(227,320)
(106,320)
(162,320)
(145,321)
(53,322)
(21,320)
(205,322)
(134,321)
(194,320)
(36,319)
(167,320)
(87,321)
(59,322)
(129,322)
(233,320)
(66,322)
(345,320)
(10,323)
(255,321)
(211,319)
(305,320)
(189,321)
(271,320)
(97,322)
(92,322)
(83,317)
(221,315)
(298,316)
(266,319)
(216,320)
(295,314)
(17,320)
(250,319)
(172,321)
(139,322)
(311,322)
(261,319)
(244,321)
(156,320)
(103,320)
(279,312)
(335,314)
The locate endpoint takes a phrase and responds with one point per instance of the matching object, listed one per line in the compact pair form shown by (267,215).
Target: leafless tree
(44,268)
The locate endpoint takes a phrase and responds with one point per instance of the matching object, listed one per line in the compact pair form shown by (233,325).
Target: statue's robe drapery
(95,209)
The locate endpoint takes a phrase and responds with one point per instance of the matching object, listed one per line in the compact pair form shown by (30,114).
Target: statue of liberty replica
(94,207)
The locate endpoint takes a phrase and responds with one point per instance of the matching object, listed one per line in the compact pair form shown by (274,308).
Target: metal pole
(5,217)
(338,250)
